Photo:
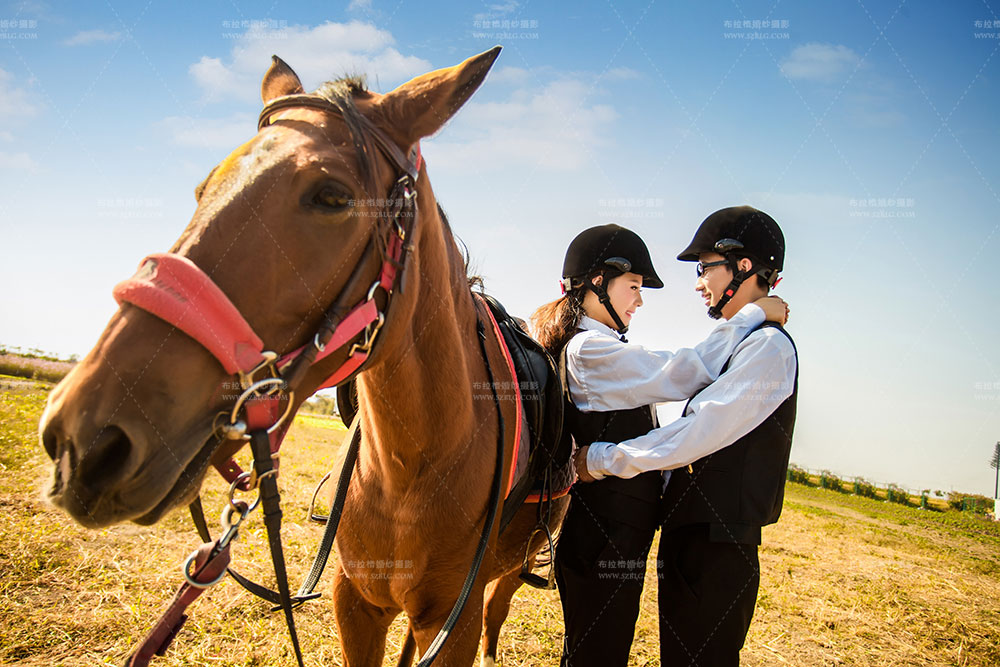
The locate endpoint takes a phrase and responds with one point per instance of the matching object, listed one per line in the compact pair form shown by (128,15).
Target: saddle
(547,473)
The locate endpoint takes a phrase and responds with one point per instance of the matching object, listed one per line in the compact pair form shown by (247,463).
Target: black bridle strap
(386,144)
(305,592)
(336,511)
(294,372)
(389,239)
(260,444)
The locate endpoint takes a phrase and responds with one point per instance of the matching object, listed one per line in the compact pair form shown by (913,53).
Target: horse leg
(498,596)
(460,649)
(362,626)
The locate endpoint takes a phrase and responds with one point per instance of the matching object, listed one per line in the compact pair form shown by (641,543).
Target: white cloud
(515,75)
(621,74)
(15,103)
(88,37)
(214,133)
(317,54)
(551,127)
(6,136)
(356,5)
(496,11)
(819,62)
(19,161)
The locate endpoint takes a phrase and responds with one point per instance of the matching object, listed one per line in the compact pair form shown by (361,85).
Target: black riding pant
(707,592)
(600,568)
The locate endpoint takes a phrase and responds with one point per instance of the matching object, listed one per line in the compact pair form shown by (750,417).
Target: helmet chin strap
(715,312)
(602,295)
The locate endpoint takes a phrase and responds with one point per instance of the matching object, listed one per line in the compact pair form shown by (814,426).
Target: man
(734,439)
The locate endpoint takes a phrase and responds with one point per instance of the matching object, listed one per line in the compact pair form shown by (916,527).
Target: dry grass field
(845,580)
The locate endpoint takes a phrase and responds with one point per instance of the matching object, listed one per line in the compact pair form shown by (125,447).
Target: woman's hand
(775,309)
(580,463)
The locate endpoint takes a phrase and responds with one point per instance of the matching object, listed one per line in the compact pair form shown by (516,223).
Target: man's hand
(580,463)
(775,309)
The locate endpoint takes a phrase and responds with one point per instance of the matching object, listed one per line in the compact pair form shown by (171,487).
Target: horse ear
(419,107)
(279,80)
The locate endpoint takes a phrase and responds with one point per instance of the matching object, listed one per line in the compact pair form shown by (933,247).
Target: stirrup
(548,582)
(318,518)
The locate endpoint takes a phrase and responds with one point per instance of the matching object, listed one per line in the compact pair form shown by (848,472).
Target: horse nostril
(105,460)
(50,441)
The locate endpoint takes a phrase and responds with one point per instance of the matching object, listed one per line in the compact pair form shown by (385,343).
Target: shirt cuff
(754,314)
(596,457)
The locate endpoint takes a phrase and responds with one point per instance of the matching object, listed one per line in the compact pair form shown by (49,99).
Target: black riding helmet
(610,250)
(734,233)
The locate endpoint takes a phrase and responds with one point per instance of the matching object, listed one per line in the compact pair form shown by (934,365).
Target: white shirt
(606,374)
(760,377)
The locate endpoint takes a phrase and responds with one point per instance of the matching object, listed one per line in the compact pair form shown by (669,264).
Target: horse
(279,226)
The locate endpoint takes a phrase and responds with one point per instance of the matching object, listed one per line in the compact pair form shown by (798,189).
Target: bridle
(178,291)
(175,289)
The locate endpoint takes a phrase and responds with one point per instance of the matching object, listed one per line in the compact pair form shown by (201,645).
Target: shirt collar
(590,324)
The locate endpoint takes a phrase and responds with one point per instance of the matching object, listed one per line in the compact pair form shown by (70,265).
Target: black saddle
(542,400)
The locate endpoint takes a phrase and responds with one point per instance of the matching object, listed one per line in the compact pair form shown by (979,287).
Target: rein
(175,289)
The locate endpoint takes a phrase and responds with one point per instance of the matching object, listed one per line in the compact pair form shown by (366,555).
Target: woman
(613,388)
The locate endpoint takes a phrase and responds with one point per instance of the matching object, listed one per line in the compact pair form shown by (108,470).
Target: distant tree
(322,405)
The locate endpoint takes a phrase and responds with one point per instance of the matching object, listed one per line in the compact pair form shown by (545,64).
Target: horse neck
(417,402)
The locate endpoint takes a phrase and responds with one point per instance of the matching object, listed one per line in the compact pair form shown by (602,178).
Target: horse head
(292,221)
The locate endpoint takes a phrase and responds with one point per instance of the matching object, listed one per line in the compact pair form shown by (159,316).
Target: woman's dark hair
(554,323)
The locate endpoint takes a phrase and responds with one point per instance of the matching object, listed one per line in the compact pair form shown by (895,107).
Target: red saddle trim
(517,394)
(537,497)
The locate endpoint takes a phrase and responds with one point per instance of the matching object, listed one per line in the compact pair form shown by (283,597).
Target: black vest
(741,487)
(634,501)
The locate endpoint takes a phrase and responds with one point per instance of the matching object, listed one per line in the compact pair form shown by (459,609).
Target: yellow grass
(845,581)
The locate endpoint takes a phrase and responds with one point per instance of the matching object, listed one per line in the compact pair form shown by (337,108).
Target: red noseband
(173,288)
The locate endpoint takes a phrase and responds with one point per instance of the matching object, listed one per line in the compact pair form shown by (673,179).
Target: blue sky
(867,129)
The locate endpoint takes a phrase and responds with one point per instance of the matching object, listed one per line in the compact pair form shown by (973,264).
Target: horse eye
(332,198)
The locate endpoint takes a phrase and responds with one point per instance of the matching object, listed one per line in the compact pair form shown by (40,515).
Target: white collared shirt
(759,378)
(606,374)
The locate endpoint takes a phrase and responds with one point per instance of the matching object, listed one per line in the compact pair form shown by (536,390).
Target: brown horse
(280,224)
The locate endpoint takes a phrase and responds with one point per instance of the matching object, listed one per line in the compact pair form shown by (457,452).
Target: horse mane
(474,279)
(341,93)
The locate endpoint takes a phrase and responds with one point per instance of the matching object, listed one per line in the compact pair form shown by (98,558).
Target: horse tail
(409,648)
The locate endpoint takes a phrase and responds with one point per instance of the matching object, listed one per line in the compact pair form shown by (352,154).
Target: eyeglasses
(701,266)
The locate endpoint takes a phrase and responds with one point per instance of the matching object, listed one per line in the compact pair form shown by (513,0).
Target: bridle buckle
(247,378)
(371,332)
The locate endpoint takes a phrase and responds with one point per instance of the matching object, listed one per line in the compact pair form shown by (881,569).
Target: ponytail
(555,323)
